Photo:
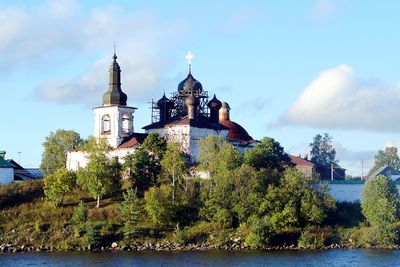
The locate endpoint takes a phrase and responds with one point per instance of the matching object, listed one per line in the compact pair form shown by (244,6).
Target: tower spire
(114,95)
(189,57)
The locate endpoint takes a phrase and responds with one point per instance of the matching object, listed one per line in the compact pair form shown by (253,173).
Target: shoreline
(114,247)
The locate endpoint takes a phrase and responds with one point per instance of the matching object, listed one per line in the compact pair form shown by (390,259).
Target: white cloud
(58,29)
(338,99)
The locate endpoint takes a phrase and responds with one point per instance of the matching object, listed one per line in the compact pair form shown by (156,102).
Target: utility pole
(19,157)
(332,171)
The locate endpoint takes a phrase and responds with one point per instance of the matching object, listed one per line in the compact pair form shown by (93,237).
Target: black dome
(190,84)
(164,101)
(214,103)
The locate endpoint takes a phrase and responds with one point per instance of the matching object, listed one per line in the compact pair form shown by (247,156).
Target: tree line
(258,190)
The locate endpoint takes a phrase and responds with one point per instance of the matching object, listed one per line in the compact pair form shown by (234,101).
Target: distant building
(23,174)
(303,165)
(333,172)
(386,171)
(6,170)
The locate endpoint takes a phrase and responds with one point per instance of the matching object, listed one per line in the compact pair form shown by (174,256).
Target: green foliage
(158,205)
(58,184)
(217,156)
(56,146)
(101,176)
(315,237)
(388,157)
(156,145)
(130,209)
(267,154)
(94,145)
(380,201)
(80,215)
(347,214)
(322,151)
(298,201)
(143,169)
(195,234)
(174,165)
(260,232)
(92,236)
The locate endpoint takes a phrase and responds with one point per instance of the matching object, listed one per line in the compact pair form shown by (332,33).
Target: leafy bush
(380,201)
(260,232)
(158,205)
(315,237)
(130,209)
(81,214)
(197,233)
(92,235)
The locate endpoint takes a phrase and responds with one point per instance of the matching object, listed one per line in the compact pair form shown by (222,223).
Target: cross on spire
(189,57)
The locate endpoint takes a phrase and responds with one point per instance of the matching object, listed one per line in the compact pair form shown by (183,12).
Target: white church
(185,118)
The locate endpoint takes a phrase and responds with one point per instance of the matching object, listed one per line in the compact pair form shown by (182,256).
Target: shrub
(158,205)
(380,201)
(130,209)
(315,237)
(92,235)
(197,233)
(260,232)
(81,214)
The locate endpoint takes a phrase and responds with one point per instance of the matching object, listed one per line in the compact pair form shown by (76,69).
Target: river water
(334,257)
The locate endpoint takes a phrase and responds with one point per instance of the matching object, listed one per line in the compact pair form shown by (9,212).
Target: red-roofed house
(303,165)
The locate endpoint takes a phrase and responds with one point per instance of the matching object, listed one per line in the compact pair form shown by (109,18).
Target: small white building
(6,171)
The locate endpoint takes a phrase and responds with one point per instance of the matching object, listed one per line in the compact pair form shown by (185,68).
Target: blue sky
(288,69)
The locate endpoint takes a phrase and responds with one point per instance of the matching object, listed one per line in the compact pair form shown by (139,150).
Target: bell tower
(114,119)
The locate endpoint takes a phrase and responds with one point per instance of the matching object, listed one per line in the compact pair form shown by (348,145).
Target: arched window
(126,123)
(106,125)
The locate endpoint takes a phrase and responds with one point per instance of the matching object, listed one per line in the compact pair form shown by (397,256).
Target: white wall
(6,175)
(349,192)
(78,159)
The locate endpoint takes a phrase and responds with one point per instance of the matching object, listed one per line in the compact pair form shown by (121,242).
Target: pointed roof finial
(115,52)
(189,57)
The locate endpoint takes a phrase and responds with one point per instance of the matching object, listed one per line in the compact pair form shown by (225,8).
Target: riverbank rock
(114,245)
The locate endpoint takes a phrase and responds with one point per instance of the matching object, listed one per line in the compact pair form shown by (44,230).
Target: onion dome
(189,85)
(225,106)
(164,102)
(214,103)
(114,95)
(236,132)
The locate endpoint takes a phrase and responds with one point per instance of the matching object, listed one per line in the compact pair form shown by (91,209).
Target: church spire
(114,95)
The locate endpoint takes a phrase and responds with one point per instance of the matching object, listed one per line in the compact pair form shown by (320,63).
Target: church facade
(185,118)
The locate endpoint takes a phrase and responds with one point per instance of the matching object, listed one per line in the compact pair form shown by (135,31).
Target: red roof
(133,140)
(298,161)
(236,132)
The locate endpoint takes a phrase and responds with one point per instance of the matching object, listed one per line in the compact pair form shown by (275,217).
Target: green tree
(388,157)
(217,156)
(174,165)
(80,215)
(142,168)
(322,151)
(101,176)
(220,159)
(58,184)
(156,145)
(297,201)
(267,154)
(130,209)
(158,205)
(56,146)
(380,201)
